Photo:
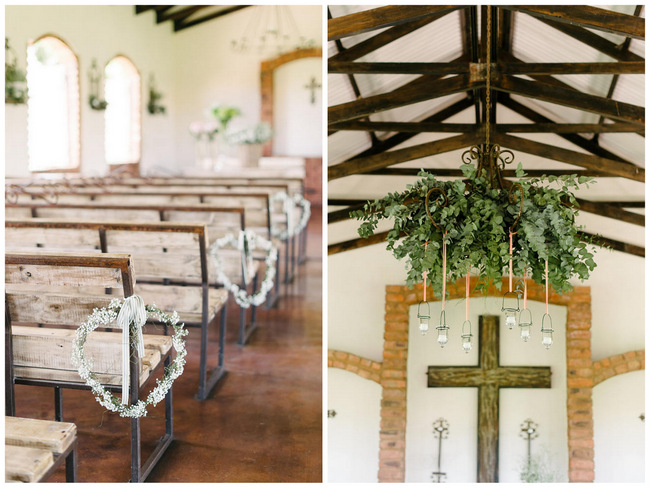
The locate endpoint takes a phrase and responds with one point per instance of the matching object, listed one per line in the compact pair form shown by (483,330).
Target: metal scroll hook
(444,204)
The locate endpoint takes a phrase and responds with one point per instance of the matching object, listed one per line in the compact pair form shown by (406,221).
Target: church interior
(547,90)
(163,166)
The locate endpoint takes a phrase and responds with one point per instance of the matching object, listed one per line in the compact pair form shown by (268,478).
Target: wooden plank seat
(26,275)
(35,448)
(173,271)
(224,213)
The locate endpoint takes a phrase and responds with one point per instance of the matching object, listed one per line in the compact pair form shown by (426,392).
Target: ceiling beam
(397,139)
(419,90)
(378,18)
(589,161)
(382,160)
(360,125)
(360,242)
(578,140)
(508,173)
(612,244)
(587,17)
(179,14)
(571,98)
(478,70)
(383,38)
(143,8)
(182,24)
(593,40)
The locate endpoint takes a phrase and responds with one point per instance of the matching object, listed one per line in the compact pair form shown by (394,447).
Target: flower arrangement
(222,114)
(477,223)
(258,134)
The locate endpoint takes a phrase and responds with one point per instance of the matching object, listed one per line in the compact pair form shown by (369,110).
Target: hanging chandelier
(271,31)
(483,225)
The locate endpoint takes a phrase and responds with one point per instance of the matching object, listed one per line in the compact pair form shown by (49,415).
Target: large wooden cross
(488,376)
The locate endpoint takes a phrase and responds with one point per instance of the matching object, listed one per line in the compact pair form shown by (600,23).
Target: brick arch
(580,380)
(266,86)
(366,368)
(618,364)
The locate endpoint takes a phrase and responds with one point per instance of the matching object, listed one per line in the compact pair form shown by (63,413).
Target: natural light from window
(52,106)
(122,92)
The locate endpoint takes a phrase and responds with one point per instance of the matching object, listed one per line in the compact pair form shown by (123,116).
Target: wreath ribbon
(132,312)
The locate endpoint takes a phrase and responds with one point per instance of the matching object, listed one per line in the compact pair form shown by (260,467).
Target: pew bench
(34,449)
(58,291)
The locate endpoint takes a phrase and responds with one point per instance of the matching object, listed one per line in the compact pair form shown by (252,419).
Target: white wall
(353,434)
(459,405)
(209,72)
(95,32)
(297,122)
(618,430)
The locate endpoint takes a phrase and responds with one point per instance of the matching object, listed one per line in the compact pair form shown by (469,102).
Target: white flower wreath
(288,204)
(242,298)
(103,317)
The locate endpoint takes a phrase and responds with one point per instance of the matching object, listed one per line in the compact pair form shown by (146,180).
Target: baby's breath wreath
(288,204)
(103,317)
(255,241)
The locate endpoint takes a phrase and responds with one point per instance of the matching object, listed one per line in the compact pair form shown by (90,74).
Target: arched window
(52,106)
(122,92)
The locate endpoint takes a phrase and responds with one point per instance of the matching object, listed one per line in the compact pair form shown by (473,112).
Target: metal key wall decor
(440,432)
(528,432)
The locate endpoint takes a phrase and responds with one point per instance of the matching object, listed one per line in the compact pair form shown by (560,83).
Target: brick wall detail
(618,364)
(266,84)
(580,374)
(366,368)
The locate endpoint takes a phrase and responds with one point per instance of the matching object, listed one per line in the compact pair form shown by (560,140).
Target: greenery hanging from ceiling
(477,219)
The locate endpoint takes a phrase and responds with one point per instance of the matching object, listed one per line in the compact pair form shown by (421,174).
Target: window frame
(71,169)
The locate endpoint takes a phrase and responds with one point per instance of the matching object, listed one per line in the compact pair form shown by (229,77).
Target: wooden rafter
(399,138)
(179,14)
(576,139)
(478,69)
(382,39)
(508,173)
(587,17)
(184,24)
(589,161)
(571,98)
(593,40)
(419,90)
(378,18)
(377,161)
(548,127)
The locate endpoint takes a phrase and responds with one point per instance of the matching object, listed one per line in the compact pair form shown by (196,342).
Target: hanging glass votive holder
(442,330)
(547,331)
(466,336)
(424,319)
(525,322)
(512,299)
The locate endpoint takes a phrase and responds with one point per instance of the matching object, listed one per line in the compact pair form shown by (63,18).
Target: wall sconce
(95,76)
(15,80)
(154,96)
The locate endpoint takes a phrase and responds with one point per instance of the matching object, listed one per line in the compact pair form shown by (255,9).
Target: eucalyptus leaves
(477,223)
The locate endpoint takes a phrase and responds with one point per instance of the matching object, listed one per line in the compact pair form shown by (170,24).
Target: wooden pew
(63,289)
(260,215)
(172,264)
(34,449)
(228,217)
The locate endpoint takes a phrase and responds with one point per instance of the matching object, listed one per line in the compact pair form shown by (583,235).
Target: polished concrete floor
(263,422)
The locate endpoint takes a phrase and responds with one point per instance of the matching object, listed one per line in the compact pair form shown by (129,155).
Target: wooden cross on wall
(313,86)
(488,376)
